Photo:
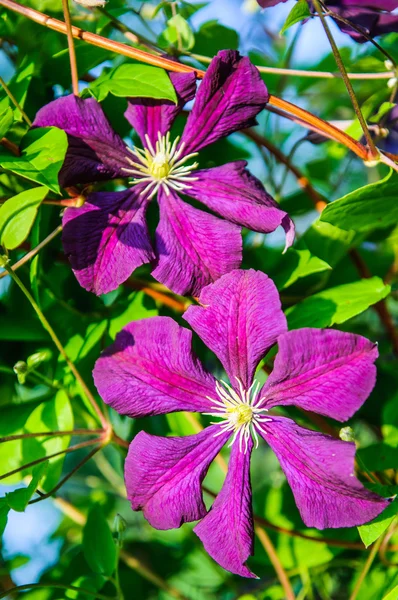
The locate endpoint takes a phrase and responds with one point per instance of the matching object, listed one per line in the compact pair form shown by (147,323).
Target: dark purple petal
(230,96)
(164,475)
(227,530)
(325,371)
(95,151)
(149,116)
(151,370)
(374,23)
(107,238)
(236,195)
(269,3)
(193,247)
(239,319)
(320,471)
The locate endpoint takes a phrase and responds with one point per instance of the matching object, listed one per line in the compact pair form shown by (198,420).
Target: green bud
(37,358)
(21,370)
(347,434)
(119,526)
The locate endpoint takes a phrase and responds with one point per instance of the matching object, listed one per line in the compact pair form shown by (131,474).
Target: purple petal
(269,3)
(320,471)
(151,370)
(230,96)
(164,475)
(236,195)
(239,320)
(325,371)
(95,151)
(227,530)
(107,238)
(193,247)
(149,116)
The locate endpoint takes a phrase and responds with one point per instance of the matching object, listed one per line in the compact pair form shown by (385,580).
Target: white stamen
(241,412)
(161,166)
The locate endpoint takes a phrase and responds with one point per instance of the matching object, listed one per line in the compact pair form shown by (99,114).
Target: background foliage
(342,272)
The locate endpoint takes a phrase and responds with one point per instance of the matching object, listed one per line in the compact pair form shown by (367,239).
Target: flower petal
(193,247)
(107,239)
(236,195)
(239,320)
(151,370)
(320,471)
(164,475)
(227,530)
(95,151)
(325,371)
(149,116)
(230,96)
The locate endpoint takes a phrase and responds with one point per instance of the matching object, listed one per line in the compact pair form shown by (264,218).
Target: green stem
(128,32)
(57,343)
(15,101)
(33,463)
(373,150)
(75,432)
(67,476)
(57,586)
(366,567)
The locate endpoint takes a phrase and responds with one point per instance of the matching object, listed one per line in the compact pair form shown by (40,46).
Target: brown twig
(160,296)
(54,455)
(302,180)
(72,432)
(374,153)
(15,101)
(381,306)
(71,48)
(276,563)
(98,40)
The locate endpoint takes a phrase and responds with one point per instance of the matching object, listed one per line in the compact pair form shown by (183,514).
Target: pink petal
(193,247)
(227,530)
(325,371)
(320,471)
(151,370)
(164,475)
(239,319)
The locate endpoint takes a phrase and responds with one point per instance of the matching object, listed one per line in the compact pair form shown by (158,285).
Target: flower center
(163,166)
(241,412)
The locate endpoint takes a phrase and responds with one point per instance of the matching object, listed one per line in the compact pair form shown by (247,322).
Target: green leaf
(18,499)
(299,12)
(338,304)
(178,32)
(98,545)
(374,206)
(42,156)
(328,242)
(372,531)
(384,108)
(212,37)
(297,264)
(392,595)
(134,81)
(80,345)
(17,215)
(4,510)
(6,120)
(139,307)
(379,457)
(52,415)
(19,85)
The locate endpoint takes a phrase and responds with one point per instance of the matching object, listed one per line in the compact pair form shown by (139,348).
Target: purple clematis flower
(374,16)
(151,370)
(107,238)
